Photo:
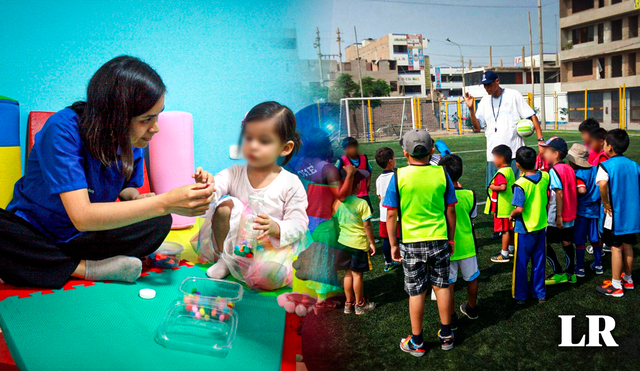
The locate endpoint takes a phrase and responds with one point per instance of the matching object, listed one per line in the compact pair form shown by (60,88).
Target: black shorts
(360,259)
(557,235)
(618,240)
(425,264)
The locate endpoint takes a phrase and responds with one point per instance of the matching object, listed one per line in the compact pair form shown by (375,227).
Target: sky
(473,24)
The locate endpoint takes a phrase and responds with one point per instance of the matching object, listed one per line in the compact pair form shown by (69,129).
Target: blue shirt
(392,201)
(58,163)
(518,201)
(589,203)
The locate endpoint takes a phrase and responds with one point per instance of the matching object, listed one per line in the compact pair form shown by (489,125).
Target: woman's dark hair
(619,140)
(123,88)
(526,157)
(285,124)
(503,151)
(588,125)
(383,156)
(452,164)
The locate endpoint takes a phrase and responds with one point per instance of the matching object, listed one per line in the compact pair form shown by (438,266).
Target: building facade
(600,45)
(397,58)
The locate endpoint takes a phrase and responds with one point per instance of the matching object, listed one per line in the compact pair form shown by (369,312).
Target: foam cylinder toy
(171,163)
(10,160)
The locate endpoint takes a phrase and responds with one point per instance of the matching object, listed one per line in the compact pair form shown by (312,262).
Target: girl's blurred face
(261,144)
(596,144)
(145,126)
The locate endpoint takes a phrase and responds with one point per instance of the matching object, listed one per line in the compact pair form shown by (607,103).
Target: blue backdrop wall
(217,58)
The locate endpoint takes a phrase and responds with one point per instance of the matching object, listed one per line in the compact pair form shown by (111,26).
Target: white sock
(616,284)
(628,278)
(505,253)
(119,268)
(512,248)
(219,270)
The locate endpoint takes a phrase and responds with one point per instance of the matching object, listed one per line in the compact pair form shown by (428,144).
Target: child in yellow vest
(530,197)
(464,259)
(499,201)
(424,198)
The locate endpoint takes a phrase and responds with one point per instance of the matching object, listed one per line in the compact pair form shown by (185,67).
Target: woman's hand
(145,195)
(189,200)
(203,176)
(267,225)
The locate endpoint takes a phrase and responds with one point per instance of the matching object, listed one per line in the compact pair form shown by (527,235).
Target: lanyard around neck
(495,116)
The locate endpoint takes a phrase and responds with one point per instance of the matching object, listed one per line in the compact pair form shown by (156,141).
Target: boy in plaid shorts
(424,198)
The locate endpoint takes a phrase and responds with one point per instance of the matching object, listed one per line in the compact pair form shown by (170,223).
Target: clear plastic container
(209,290)
(207,328)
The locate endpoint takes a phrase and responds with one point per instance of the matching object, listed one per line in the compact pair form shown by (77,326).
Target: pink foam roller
(171,157)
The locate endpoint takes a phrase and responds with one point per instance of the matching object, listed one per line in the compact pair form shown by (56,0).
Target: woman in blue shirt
(63,220)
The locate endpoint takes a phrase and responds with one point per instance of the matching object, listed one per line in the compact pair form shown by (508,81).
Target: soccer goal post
(385,118)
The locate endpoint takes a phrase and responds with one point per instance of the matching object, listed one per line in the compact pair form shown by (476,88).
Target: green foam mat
(109,327)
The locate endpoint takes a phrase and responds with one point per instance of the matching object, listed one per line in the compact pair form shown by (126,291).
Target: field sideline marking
(471,151)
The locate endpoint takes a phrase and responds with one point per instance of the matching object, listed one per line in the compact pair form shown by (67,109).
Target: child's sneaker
(597,268)
(608,289)
(407,346)
(365,307)
(606,248)
(348,308)
(446,342)
(572,278)
(388,267)
(500,258)
(469,311)
(589,249)
(627,285)
(580,272)
(555,279)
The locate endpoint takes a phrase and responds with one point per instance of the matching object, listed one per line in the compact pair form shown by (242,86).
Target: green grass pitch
(506,336)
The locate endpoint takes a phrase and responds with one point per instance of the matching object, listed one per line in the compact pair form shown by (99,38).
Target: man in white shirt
(498,113)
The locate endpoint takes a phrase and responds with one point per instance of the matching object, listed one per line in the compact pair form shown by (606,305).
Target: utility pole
(355,32)
(490,57)
(339,40)
(533,80)
(461,63)
(542,100)
(317,46)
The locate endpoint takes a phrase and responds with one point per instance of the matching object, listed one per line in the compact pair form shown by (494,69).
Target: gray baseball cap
(417,142)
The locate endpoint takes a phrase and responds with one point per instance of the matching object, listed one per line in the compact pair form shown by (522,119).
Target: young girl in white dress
(268,133)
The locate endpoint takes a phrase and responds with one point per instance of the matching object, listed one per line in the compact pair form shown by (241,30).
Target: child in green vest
(530,197)
(424,198)
(464,259)
(499,201)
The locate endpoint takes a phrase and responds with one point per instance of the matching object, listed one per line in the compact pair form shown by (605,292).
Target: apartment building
(600,52)
(397,58)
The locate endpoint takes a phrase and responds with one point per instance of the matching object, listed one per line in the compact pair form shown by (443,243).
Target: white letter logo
(594,332)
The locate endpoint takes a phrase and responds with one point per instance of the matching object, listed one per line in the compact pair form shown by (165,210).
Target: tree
(343,87)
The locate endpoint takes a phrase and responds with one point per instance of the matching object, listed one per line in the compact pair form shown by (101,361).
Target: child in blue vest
(360,161)
(619,182)
(463,260)
(588,210)
(530,197)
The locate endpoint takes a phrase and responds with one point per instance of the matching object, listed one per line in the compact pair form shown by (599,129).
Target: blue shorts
(585,228)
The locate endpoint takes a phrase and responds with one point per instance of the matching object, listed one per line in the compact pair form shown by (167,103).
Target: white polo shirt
(499,117)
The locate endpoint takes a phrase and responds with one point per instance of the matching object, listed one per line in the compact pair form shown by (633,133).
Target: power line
(483,45)
(410,2)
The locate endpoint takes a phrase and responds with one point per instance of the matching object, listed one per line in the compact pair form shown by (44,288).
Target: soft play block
(10,172)
(9,122)
(171,162)
(108,327)
(35,123)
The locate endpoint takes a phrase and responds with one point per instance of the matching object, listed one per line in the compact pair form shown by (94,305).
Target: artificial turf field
(506,336)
